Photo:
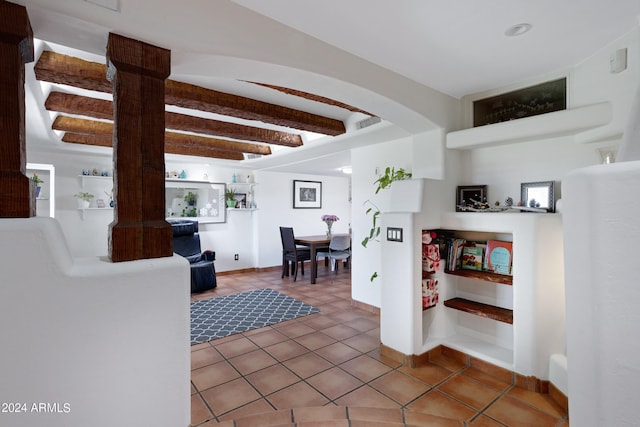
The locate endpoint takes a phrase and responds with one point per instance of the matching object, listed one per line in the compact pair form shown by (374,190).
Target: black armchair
(186,242)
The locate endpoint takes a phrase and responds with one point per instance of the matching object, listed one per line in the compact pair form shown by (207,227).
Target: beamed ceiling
(88,119)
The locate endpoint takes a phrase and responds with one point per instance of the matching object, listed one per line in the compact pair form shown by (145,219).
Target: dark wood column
(17,194)
(138,72)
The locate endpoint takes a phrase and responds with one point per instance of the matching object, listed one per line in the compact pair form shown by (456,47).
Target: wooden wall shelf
(480,309)
(484,275)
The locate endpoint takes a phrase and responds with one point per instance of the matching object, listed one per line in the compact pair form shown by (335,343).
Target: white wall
(253,235)
(398,154)
(276,209)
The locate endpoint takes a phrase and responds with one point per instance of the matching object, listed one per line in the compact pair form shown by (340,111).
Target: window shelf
(550,125)
(480,309)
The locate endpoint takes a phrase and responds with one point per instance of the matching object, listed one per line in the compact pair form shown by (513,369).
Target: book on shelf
(472,258)
(454,254)
(499,256)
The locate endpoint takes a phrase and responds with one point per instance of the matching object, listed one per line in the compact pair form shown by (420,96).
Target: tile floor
(332,358)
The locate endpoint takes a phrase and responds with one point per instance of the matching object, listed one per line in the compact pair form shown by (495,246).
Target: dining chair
(291,253)
(339,250)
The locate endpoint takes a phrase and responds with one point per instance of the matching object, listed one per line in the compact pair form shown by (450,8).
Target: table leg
(314,264)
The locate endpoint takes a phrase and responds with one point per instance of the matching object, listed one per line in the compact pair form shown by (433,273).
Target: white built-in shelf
(84,210)
(543,126)
(242,209)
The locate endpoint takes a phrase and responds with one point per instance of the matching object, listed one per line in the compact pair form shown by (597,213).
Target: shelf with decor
(202,201)
(98,188)
(496,315)
(45,178)
(244,195)
(555,124)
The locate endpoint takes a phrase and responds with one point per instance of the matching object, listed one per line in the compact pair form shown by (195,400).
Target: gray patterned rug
(218,317)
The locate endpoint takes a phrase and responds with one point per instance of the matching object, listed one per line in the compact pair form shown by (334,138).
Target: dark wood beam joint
(17,191)
(139,229)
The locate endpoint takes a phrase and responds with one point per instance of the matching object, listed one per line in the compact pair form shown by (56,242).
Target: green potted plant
(390,175)
(229,195)
(84,199)
(36,179)
(191,198)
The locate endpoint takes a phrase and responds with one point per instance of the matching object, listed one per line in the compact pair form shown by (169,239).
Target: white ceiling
(458,46)
(379,55)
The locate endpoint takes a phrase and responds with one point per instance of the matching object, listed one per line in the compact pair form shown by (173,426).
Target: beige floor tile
(469,391)
(340,332)
(236,347)
(436,403)
(252,361)
(199,410)
(365,368)
(334,383)
(272,379)
(286,350)
(513,412)
(366,397)
(338,353)
(315,340)
(319,413)
(213,375)
(229,396)
(307,365)
(399,387)
(430,374)
(362,342)
(257,410)
(269,337)
(207,356)
(298,395)
(541,401)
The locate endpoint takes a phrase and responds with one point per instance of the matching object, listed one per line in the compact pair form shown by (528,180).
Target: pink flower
(330,218)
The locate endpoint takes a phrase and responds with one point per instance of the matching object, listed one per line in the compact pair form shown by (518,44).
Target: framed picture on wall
(307,194)
(470,197)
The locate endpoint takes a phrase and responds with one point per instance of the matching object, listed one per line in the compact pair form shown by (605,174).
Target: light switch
(394,234)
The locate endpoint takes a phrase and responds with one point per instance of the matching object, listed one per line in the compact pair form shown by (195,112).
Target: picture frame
(241,199)
(307,194)
(466,194)
(538,196)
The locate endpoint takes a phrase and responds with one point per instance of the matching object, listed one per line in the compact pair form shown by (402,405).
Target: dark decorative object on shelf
(532,101)
(471,198)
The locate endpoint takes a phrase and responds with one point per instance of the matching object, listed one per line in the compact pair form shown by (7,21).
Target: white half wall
(98,343)
(601,231)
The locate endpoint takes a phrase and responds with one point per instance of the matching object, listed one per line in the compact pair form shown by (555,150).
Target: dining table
(314,242)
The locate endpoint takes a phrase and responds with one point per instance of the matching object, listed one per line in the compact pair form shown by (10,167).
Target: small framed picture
(307,194)
(470,197)
(100,203)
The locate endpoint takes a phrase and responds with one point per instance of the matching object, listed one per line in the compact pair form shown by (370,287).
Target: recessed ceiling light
(517,30)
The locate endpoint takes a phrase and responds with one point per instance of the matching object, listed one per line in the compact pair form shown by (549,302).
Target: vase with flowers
(329,220)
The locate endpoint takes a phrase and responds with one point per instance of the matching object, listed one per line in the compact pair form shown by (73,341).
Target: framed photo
(100,203)
(469,197)
(307,194)
(538,196)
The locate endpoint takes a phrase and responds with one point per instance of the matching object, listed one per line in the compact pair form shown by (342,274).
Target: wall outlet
(236,257)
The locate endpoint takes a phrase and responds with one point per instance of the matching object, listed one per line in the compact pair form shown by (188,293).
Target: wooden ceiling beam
(93,127)
(198,98)
(63,69)
(312,97)
(103,109)
(172,147)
